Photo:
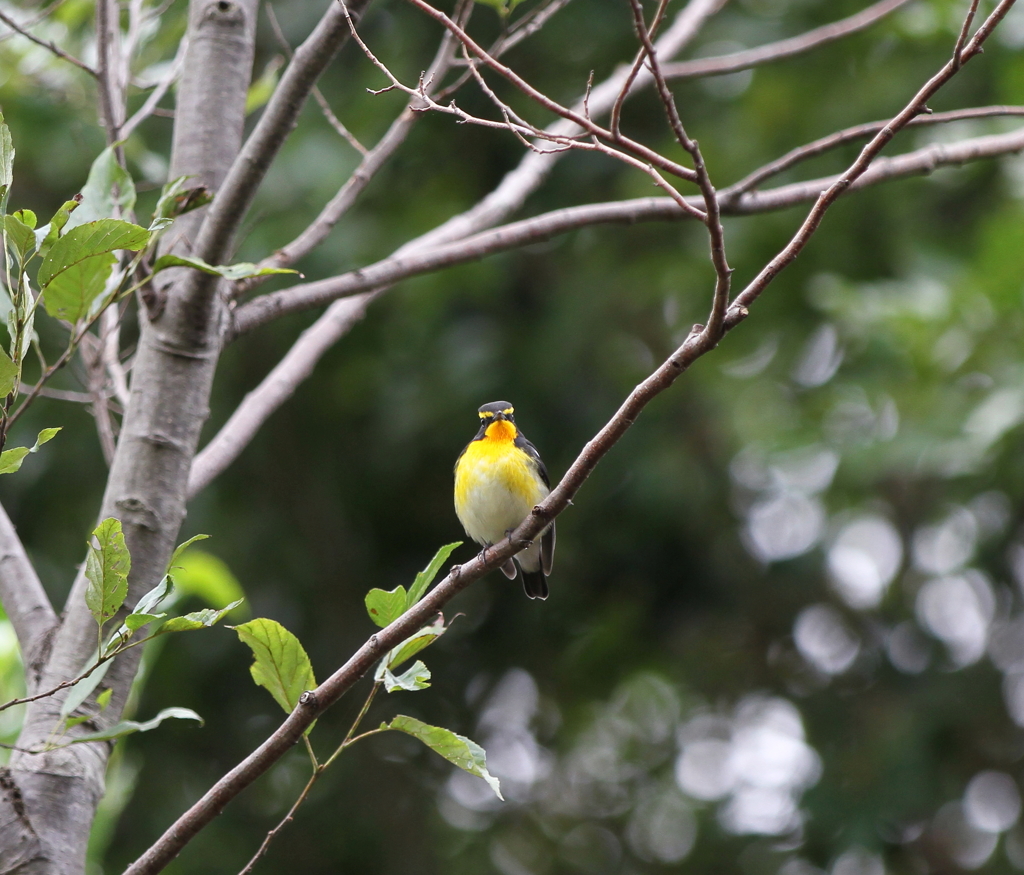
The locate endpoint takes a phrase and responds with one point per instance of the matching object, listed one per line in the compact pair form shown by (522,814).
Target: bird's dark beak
(500,416)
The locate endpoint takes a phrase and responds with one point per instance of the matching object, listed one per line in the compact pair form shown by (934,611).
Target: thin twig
(318,95)
(149,107)
(918,104)
(858,132)
(787,48)
(46,44)
(635,69)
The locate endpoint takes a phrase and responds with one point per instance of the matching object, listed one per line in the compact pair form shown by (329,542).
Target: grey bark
(46,817)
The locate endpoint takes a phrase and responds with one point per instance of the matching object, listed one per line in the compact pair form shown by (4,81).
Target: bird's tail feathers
(535,583)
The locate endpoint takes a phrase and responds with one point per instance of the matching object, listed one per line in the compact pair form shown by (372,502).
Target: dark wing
(531,451)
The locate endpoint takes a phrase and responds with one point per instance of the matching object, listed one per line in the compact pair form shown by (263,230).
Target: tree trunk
(48,801)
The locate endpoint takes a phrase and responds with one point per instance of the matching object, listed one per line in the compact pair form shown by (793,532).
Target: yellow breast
(496,485)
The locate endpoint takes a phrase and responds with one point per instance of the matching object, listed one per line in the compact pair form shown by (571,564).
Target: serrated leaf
(280,664)
(20,236)
(457,749)
(75,271)
(9,373)
(106,567)
(10,460)
(83,689)
(427,575)
(386,607)
(240,271)
(48,235)
(98,198)
(199,619)
(128,727)
(415,643)
(416,678)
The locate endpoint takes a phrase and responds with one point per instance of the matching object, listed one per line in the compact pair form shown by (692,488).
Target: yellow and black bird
(499,478)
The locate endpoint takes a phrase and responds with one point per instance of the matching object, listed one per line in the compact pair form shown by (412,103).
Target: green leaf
(9,373)
(20,236)
(203,619)
(83,689)
(413,645)
(458,750)
(75,271)
(99,200)
(10,460)
(427,575)
(241,271)
(50,233)
(149,602)
(176,200)
(416,678)
(106,566)
(26,217)
(280,664)
(181,548)
(386,607)
(6,163)
(103,699)
(127,727)
(134,622)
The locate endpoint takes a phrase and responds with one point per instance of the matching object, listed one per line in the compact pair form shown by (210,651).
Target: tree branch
(412,262)
(787,48)
(46,44)
(276,388)
(917,105)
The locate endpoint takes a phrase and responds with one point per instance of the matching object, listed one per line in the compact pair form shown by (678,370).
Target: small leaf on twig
(385,607)
(416,678)
(203,619)
(106,566)
(427,575)
(457,749)
(128,727)
(10,460)
(415,643)
(280,664)
(241,271)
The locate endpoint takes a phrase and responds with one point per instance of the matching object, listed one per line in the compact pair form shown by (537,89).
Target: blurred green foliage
(785,626)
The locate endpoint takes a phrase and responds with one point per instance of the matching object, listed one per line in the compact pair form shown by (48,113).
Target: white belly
(491,499)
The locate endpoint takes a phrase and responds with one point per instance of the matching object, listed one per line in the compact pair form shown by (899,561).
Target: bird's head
(496,420)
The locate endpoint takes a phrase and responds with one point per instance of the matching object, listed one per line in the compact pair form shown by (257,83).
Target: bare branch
(859,132)
(712,218)
(23,597)
(46,44)
(318,95)
(917,105)
(159,90)
(505,199)
(275,389)
(786,48)
(372,162)
(109,65)
(247,171)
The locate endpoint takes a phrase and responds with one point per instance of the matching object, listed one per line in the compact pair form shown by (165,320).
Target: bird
(499,478)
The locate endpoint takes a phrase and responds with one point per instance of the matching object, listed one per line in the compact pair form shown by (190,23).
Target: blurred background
(786,629)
